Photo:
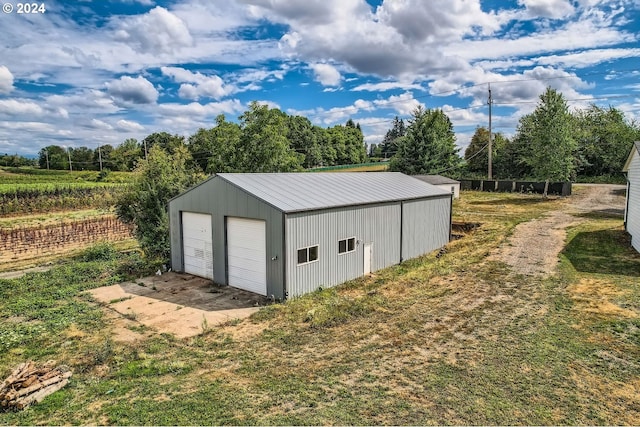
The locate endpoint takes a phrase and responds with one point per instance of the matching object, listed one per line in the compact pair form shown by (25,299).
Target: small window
(313,253)
(302,256)
(307,255)
(346,245)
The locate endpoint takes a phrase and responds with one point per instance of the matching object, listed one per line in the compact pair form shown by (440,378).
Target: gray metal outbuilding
(287,234)
(443,182)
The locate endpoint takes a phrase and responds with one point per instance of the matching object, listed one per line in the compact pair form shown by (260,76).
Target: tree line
(551,143)
(265,140)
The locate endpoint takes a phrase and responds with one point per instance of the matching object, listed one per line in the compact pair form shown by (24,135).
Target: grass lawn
(454,339)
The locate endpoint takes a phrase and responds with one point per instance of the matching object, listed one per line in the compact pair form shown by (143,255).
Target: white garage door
(196,244)
(247,254)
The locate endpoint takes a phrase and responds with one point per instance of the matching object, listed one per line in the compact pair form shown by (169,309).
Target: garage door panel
(246,254)
(197,246)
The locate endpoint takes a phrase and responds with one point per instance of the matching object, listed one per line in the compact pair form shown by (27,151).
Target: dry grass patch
(597,297)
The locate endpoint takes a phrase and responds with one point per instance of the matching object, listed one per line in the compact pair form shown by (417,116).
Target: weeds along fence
(27,242)
(16,200)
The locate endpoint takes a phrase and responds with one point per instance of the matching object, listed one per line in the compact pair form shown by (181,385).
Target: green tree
(125,156)
(429,145)
(264,146)
(104,152)
(216,149)
(389,144)
(604,139)
(476,154)
(82,158)
(164,140)
(303,140)
(58,157)
(14,160)
(547,134)
(157,179)
(375,150)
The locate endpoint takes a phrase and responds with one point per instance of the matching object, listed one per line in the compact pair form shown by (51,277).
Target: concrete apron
(178,304)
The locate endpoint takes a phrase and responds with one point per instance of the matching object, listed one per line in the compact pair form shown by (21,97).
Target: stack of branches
(29,384)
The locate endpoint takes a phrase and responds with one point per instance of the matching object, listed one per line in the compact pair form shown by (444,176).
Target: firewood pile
(29,384)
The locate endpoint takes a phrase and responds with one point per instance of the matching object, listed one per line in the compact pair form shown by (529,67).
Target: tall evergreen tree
(428,146)
(389,144)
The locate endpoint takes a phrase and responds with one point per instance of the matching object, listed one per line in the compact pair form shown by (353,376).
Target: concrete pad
(179,304)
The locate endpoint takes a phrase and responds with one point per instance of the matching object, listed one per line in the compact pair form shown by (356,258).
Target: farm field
(33,191)
(45,214)
(458,337)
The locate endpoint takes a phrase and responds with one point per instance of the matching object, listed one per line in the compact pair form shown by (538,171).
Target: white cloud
(204,86)
(85,101)
(100,125)
(211,109)
(158,31)
(436,20)
(384,86)
(555,9)
(326,74)
(404,103)
(28,109)
(6,80)
(136,91)
(129,125)
(14,107)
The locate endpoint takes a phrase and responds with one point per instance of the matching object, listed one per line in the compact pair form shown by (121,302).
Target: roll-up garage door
(197,244)
(247,254)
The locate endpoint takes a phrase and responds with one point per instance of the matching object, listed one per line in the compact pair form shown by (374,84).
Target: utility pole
(46,154)
(490,102)
(145,148)
(69,153)
(100,157)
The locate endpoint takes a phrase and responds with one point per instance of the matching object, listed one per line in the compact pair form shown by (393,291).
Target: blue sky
(99,72)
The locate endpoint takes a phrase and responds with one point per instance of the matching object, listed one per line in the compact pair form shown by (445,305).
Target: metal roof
(436,179)
(294,192)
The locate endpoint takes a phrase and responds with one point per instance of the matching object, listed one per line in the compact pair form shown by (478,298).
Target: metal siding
(377,224)
(633,204)
(425,226)
(221,199)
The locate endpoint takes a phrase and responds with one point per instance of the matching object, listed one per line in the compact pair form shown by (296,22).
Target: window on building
(346,245)
(307,255)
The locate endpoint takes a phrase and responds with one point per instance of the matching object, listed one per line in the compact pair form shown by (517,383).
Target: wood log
(40,394)
(39,385)
(29,383)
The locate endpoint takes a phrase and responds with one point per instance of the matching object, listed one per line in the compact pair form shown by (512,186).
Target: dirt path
(534,246)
